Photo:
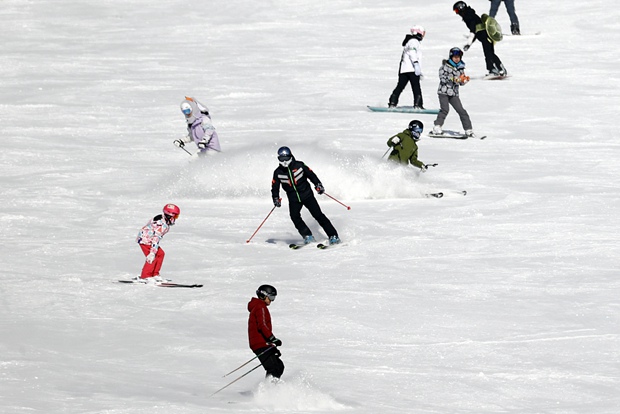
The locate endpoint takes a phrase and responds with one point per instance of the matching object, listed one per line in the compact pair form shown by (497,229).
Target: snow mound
(294,394)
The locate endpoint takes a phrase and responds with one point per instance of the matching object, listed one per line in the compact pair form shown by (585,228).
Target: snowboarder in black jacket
(293,176)
(478,29)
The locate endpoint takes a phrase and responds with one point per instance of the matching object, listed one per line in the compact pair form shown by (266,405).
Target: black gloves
(179,143)
(277,202)
(202,145)
(275,341)
(319,188)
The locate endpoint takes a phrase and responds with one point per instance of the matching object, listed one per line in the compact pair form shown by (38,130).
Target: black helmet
(285,156)
(458,6)
(266,291)
(416,127)
(455,51)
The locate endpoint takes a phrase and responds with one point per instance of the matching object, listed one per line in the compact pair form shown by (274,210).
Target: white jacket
(411,54)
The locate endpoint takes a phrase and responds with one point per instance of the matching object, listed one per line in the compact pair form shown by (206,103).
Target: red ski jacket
(259,324)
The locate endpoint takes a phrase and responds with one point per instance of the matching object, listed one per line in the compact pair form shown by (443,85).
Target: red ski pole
(261,225)
(348,208)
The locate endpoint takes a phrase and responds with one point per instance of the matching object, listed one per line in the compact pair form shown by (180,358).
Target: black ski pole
(388,150)
(182,146)
(237,379)
(241,366)
(431,165)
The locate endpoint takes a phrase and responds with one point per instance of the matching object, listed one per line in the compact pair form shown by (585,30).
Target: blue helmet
(416,127)
(285,156)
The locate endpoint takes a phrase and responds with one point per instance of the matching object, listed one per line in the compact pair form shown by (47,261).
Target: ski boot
(309,239)
(514,29)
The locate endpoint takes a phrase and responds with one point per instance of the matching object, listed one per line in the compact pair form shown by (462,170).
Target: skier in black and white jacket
(293,176)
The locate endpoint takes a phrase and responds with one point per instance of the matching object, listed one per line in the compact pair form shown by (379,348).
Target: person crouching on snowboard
(199,127)
(451,76)
(478,31)
(293,176)
(409,69)
(405,145)
(262,340)
(149,237)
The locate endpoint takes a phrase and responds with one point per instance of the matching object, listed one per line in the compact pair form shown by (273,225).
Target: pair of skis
(452,134)
(162,284)
(441,194)
(320,246)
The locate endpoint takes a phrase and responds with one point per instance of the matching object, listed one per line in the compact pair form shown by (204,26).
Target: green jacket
(406,151)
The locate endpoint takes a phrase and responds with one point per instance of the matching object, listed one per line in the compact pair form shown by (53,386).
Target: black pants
(490,58)
(403,79)
(294,208)
(271,361)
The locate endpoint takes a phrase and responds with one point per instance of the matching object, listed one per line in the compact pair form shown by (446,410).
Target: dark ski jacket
(472,20)
(406,151)
(294,180)
(259,324)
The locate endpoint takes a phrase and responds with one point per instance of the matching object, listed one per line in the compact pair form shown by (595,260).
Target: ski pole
(348,208)
(261,225)
(431,165)
(183,148)
(388,150)
(237,379)
(241,366)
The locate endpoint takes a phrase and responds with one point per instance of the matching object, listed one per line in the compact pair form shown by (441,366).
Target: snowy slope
(505,300)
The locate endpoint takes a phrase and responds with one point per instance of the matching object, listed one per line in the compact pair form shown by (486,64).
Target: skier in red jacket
(261,338)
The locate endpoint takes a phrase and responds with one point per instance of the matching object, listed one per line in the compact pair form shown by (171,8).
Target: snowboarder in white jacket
(409,70)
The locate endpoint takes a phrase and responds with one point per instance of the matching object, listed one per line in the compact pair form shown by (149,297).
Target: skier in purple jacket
(200,129)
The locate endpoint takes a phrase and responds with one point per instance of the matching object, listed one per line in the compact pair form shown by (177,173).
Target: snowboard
(522,34)
(403,109)
(495,77)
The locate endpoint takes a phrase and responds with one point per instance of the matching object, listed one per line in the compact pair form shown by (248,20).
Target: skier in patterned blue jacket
(293,176)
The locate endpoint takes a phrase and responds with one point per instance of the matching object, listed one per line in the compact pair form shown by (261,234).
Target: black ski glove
(275,341)
(202,145)
(277,202)
(319,188)
(179,143)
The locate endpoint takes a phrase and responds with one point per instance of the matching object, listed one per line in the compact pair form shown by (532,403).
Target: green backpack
(493,28)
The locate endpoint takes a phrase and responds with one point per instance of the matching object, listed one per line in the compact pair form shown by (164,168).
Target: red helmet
(171,213)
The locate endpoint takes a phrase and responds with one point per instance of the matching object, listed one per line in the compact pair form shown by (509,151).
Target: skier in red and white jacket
(149,237)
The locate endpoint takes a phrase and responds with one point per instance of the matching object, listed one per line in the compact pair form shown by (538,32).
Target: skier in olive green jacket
(405,148)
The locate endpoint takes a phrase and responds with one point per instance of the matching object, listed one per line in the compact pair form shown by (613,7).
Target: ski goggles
(416,129)
(187,111)
(284,157)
